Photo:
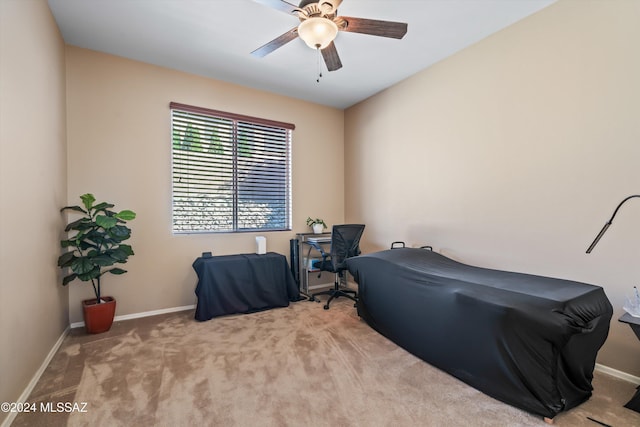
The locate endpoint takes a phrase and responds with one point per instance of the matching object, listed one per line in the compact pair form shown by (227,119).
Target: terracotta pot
(98,317)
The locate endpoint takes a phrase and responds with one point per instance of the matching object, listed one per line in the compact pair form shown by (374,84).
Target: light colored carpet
(294,366)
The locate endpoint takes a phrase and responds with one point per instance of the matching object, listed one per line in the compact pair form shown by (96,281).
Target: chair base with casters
(336,292)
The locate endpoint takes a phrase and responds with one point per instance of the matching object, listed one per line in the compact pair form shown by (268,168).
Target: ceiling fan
(319,25)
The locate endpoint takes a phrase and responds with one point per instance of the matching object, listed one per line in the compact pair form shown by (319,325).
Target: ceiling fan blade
(280,5)
(276,43)
(331,57)
(373,27)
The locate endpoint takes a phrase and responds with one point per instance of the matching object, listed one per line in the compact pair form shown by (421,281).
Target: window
(230,172)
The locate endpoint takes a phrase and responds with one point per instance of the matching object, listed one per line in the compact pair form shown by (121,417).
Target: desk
(231,284)
(634,322)
(311,281)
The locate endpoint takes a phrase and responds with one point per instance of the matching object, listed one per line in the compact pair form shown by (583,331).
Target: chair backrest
(345,243)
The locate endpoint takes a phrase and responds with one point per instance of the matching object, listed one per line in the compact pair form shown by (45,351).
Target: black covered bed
(529,341)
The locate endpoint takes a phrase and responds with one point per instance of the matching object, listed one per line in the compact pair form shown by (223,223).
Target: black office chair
(345,243)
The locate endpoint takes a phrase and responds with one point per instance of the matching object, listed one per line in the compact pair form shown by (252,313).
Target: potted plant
(93,251)
(317,225)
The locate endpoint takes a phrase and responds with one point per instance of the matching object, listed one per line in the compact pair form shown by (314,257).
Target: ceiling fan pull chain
(318,64)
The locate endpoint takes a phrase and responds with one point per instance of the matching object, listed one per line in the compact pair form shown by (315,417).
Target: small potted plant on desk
(317,225)
(95,247)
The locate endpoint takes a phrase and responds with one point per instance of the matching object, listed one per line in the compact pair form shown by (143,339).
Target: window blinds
(230,172)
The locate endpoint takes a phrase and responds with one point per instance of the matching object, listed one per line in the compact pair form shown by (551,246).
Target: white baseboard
(143,314)
(618,374)
(36,377)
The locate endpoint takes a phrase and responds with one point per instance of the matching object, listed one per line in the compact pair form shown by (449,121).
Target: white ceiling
(214,38)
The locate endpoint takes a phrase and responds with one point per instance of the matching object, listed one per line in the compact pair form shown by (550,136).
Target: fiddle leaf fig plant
(97,245)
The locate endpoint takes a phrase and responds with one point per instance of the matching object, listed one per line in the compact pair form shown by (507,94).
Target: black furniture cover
(243,283)
(526,340)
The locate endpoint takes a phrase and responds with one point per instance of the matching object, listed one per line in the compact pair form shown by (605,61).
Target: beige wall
(510,154)
(513,153)
(33,304)
(119,149)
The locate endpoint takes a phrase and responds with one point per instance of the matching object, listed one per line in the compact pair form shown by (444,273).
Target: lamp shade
(317,33)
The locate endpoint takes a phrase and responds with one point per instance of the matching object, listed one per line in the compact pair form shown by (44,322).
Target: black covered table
(529,341)
(634,322)
(231,284)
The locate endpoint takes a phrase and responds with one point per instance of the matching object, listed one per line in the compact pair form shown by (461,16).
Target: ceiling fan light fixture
(317,32)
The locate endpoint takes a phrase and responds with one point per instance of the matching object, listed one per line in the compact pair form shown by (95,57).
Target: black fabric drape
(526,340)
(244,283)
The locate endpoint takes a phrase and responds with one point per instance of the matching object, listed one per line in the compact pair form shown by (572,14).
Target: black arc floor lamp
(606,226)
(634,403)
